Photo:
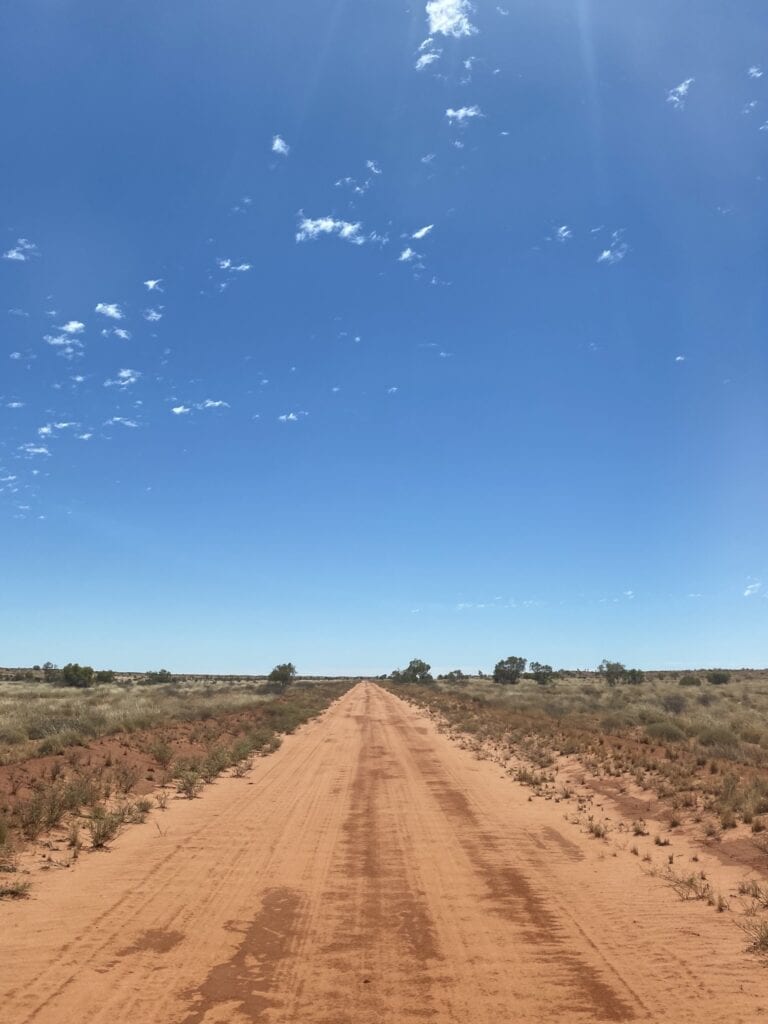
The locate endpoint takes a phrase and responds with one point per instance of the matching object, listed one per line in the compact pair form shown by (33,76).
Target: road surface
(370,871)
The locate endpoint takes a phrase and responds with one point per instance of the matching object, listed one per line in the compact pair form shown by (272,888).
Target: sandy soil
(369,871)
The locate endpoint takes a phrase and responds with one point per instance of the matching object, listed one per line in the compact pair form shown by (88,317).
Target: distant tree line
(509,671)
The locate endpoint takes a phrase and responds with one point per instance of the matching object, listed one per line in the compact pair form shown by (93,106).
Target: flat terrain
(368,871)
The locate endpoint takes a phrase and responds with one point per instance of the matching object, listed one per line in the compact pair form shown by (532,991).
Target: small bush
(14,890)
(689,680)
(105,826)
(189,784)
(718,678)
(666,732)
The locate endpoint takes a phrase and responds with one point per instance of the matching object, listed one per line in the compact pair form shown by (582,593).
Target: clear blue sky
(350,331)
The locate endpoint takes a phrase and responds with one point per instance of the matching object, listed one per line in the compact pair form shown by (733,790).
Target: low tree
(418,671)
(508,671)
(455,676)
(541,673)
(281,676)
(104,676)
(612,671)
(157,678)
(718,677)
(51,672)
(634,676)
(77,675)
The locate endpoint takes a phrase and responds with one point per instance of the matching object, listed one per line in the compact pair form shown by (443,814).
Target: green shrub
(666,732)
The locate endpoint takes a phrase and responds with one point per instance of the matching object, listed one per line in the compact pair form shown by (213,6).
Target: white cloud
(73,327)
(68,345)
(84,437)
(50,428)
(153,285)
(34,449)
(425,60)
(292,417)
(428,158)
(15,355)
(209,403)
(22,251)
(121,332)
(120,421)
(392,390)
(752,589)
(450,17)
(616,251)
(407,256)
(124,379)
(422,232)
(309,229)
(679,359)
(563,233)
(373,167)
(755,71)
(179,410)
(153,315)
(235,268)
(463,113)
(280,146)
(110,309)
(14,405)
(677,96)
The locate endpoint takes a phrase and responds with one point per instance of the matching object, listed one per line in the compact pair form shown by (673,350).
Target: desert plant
(104,826)
(189,784)
(15,890)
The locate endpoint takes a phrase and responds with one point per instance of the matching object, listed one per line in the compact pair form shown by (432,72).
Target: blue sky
(349,332)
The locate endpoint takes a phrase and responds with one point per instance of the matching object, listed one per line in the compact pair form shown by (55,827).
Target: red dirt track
(369,871)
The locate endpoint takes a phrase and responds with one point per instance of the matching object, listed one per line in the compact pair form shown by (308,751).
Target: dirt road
(370,871)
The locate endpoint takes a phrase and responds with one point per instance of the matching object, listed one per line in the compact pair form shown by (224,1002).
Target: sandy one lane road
(369,871)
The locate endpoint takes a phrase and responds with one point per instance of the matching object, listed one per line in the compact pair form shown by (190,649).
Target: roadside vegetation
(82,762)
(696,740)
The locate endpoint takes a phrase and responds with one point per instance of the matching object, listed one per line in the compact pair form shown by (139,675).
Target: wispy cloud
(110,309)
(563,233)
(292,417)
(407,255)
(210,403)
(50,429)
(124,379)
(677,96)
(755,71)
(280,146)
(616,251)
(310,229)
(426,59)
(152,315)
(463,114)
(450,18)
(21,252)
(180,410)
(753,588)
(34,449)
(232,267)
(422,232)
(68,345)
(153,285)
(120,421)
